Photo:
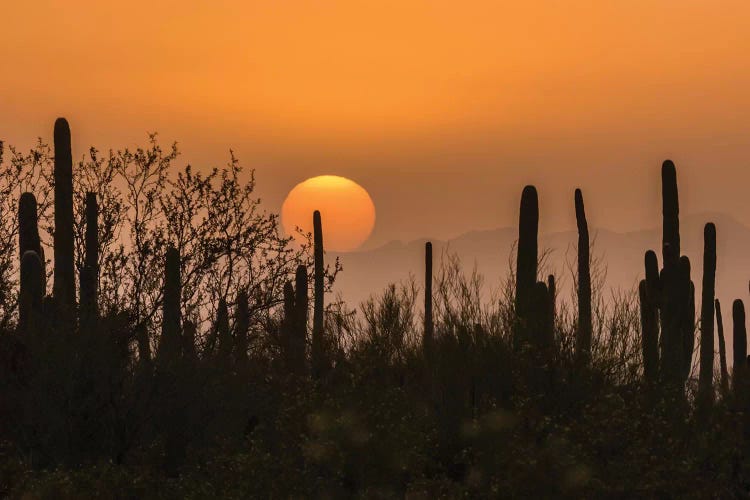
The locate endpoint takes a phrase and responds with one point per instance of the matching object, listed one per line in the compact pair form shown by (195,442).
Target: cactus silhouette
(583,334)
(31,293)
(670,214)
(64,277)
(428,324)
(722,349)
(687,319)
(318,361)
(739,345)
(668,295)
(705,381)
(298,338)
(28,229)
(241,327)
(526,263)
(552,290)
(286,332)
(170,344)
(89,274)
(542,322)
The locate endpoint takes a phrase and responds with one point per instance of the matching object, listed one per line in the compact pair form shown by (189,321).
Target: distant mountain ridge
(368,272)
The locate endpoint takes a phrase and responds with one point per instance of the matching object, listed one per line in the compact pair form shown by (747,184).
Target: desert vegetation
(160,337)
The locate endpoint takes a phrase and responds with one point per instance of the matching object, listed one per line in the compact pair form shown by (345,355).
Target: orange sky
(443,110)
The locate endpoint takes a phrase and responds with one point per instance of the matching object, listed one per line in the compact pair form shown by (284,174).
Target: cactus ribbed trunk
(583,333)
(89,277)
(526,264)
(286,332)
(241,327)
(670,214)
(318,348)
(649,335)
(28,228)
(170,345)
(739,345)
(722,349)
(705,380)
(428,324)
(299,330)
(64,278)
(543,333)
(675,291)
(687,319)
(31,293)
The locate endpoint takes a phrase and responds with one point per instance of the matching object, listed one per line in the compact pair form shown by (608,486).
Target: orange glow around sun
(346,210)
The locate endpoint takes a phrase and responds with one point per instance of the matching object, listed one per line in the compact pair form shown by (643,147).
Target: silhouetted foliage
(187,364)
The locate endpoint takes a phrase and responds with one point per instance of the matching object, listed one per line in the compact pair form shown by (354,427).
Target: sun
(346,209)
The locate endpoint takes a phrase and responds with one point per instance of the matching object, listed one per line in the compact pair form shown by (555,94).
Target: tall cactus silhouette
(705,381)
(542,326)
(287,325)
(583,334)
(722,349)
(687,318)
(241,327)
(649,335)
(526,264)
(670,214)
(64,278)
(318,354)
(428,324)
(170,344)
(89,277)
(31,293)
(28,228)
(739,345)
(672,292)
(298,339)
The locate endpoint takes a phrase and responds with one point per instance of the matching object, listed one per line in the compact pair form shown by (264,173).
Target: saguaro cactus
(722,349)
(89,277)
(28,229)
(739,344)
(428,325)
(318,361)
(170,345)
(542,326)
(687,318)
(670,214)
(31,293)
(298,338)
(526,263)
(552,290)
(673,293)
(649,335)
(64,284)
(583,334)
(705,381)
(241,327)
(287,325)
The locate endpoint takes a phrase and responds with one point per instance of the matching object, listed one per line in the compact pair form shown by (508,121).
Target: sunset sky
(442,110)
